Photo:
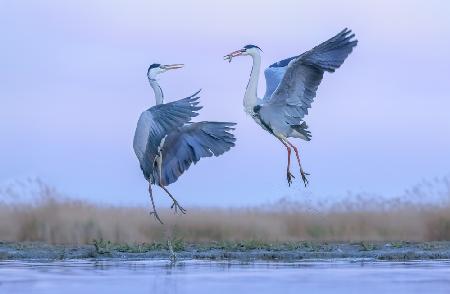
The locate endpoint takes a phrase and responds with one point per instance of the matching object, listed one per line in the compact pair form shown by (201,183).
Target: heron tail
(303,130)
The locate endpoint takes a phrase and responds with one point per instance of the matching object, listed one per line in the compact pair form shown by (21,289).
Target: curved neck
(251,93)
(159,95)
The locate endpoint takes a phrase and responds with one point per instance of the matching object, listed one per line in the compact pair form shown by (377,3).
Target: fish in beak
(172,66)
(233,54)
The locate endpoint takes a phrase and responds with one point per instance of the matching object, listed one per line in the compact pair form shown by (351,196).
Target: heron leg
(302,172)
(153,204)
(175,204)
(289,175)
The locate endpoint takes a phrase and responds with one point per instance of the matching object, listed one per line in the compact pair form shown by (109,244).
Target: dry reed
(55,219)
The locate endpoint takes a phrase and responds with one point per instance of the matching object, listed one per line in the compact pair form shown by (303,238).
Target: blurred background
(73,84)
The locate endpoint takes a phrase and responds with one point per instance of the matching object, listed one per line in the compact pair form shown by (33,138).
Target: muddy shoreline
(289,252)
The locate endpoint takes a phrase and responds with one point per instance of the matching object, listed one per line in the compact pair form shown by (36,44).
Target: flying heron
(166,142)
(291,86)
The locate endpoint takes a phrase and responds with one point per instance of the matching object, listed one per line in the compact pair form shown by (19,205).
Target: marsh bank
(241,251)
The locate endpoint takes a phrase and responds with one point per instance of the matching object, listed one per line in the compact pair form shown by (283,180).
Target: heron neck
(159,95)
(251,93)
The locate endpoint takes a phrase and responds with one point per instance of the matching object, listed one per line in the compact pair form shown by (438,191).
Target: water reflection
(160,276)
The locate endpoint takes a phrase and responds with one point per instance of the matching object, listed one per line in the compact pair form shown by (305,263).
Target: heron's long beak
(233,54)
(172,66)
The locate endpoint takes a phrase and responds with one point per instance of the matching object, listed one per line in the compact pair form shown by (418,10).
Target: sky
(73,84)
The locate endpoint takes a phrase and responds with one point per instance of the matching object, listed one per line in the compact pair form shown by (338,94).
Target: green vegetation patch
(106,247)
(248,245)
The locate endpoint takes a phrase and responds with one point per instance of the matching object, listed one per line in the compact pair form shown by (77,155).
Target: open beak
(172,66)
(233,54)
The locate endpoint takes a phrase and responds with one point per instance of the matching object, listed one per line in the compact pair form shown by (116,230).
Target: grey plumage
(292,83)
(168,133)
(291,86)
(156,123)
(188,144)
(303,130)
(166,143)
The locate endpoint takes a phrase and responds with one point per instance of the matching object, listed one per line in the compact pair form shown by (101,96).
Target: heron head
(156,69)
(246,50)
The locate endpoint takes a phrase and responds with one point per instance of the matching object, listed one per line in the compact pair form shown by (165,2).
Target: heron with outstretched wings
(166,142)
(291,85)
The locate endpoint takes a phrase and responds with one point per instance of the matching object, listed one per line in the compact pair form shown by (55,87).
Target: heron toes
(176,206)
(156,216)
(289,177)
(305,180)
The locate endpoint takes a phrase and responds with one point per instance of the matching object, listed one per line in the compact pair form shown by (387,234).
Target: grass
(54,219)
(367,246)
(106,246)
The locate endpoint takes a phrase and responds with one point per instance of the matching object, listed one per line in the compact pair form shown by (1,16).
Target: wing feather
(301,76)
(190,143)
(157,122)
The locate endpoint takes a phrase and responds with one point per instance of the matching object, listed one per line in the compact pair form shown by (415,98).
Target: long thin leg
(175,204)
(153,204)
(289,175)
(302,172)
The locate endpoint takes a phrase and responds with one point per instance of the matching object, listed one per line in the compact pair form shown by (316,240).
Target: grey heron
(166,143)
(291,86)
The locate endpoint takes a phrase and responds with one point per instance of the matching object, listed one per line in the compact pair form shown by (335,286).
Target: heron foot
(176,206)
(305,180)
(156,216)
(289,176)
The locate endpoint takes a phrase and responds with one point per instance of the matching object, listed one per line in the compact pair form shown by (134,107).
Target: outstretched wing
(156,123)
(274,75)
(292,83)
(190,143)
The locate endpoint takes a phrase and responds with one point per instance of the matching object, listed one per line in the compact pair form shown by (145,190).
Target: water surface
(115,276)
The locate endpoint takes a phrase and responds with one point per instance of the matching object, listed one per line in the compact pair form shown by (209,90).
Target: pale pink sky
(73,83)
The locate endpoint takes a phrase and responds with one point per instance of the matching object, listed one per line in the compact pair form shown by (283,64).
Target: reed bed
(55,219)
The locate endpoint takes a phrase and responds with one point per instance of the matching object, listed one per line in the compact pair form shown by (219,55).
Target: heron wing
(165,118)
(299,77)
(274,76)
(191,142)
